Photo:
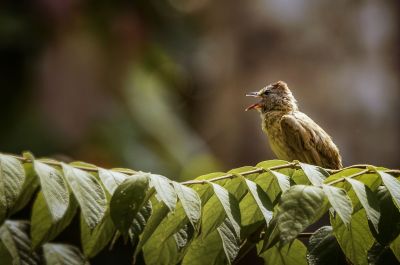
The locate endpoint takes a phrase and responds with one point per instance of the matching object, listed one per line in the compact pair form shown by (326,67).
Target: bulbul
(292,134)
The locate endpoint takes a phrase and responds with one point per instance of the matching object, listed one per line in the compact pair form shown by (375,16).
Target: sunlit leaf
(43,227)
(229,209)
(63,254)
(261,199)
(14,236)
(315,174)
(111,179)
(299,207)
(356,240)
(29,187)
(54,187)
(230,239)
(340,202)
(393,186)
(12,177)
(368,200)
(191,203)
(128,199)
(164,189)
(290,254)
(94,240)
(89,194)
(282,179)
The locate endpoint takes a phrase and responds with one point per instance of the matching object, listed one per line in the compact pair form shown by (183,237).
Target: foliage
(214,219)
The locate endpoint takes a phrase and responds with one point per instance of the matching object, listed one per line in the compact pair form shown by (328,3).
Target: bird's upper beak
(253,94)
(256,105)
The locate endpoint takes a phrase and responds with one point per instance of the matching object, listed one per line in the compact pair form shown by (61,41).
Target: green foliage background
(214,219)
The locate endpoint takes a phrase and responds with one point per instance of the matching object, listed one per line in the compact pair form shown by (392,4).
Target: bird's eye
(266,92)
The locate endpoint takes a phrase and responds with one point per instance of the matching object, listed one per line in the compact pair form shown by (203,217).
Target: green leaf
(205,191)
(267,165)
(14,235)
(165,192)
(54,187)
(393,186)
(128,199)
(43,228)
(340,202)
(219,239)
(93,241)
(89,194)
(207,250)
(63,254)
(230,239)
(381,255)
(261,199)
(251,216)
(323,248)
(191,203)
(170,237)
(368,201)
(5,255)
(356,240)
(270,185)
(315,174)
(290,254)
(221,246)
(282,179)
(395,246)
(213,215)
(341,174)
(389,222)
(29,187)
(299,207)
(12,177)
(160,211)
(111,179)
(235,186)
(165,248)
(140,221)
(230,209)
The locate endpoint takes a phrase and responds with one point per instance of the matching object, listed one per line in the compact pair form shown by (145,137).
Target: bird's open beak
(256,105)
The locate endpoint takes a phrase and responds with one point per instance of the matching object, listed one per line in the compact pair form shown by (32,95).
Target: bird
(292,135)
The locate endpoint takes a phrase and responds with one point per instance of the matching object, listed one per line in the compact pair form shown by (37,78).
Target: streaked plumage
(292,134)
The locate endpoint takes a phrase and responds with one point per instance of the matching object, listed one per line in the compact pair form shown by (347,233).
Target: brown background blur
(159,85)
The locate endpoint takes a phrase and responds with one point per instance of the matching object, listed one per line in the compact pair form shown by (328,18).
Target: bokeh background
(159,85)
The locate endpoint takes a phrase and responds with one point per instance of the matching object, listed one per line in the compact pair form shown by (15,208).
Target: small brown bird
(292,134)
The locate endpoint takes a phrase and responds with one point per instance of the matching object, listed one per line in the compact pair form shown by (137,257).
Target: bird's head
(274,97)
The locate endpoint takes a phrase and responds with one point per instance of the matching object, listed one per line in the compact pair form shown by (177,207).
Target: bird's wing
(309,142)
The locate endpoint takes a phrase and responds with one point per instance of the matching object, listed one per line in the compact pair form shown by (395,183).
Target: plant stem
(365,171)
(229,176)
(58,164)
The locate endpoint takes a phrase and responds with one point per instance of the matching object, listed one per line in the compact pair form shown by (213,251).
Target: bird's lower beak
(256,105)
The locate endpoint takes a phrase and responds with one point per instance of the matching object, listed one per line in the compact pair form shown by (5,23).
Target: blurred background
(159,85)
